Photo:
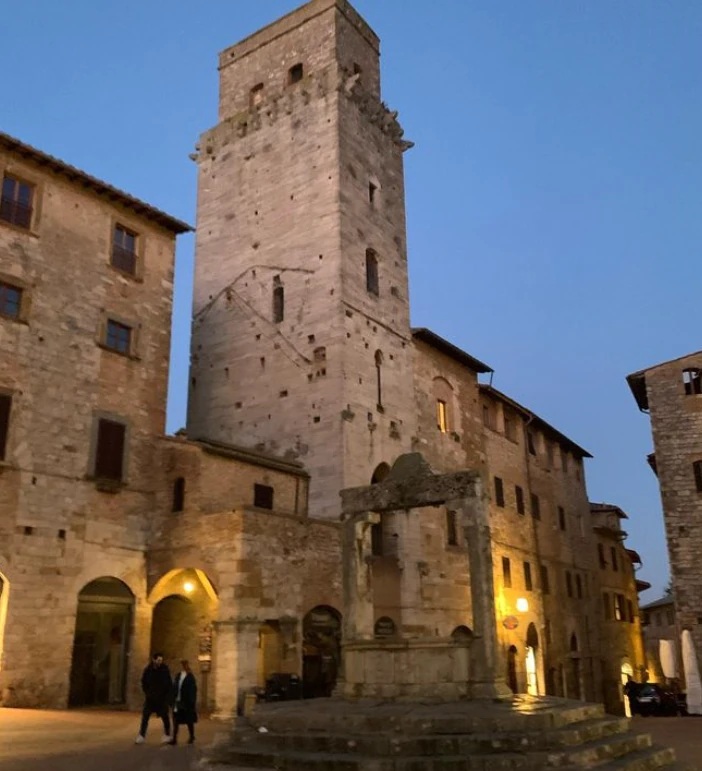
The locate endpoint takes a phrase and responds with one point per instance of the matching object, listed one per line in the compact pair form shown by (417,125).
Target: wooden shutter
(109,454)
(5,404)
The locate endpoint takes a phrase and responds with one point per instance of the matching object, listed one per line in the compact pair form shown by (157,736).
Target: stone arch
(185,605)
(380,474)
(101,642)
(462,632)
(321,650)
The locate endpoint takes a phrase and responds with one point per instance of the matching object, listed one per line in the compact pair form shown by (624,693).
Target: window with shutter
(109,453)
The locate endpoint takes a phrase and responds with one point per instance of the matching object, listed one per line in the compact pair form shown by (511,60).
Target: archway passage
(512,669)
(321,629)
(101,644)
(380,474)
(531,665)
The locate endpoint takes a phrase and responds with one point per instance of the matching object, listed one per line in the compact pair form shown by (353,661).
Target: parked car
(653,699)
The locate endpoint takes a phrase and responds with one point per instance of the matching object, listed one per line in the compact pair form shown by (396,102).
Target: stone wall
(58,529)
(676,422)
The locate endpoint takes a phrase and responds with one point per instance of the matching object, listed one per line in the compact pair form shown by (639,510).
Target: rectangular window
(118,337)
(579,586)
(549,454)
(256,95)
(545,581)
(451,529)
(499,493)
(10,300)
(613,553)
(372,279)
(692,382)
(506,573)
(618,607)
(441,416)
(670,617)
(372,190)
(569,583)
(561,518)
(527,577)
(124,250)
(278,304)
(564,459)
(601,555)
(519,494)
(263,496)
(535,506)
(109,452)
(630,611)
(510,426)
(489,416)
(607,606)
(5,405)
(16,202)
(697,470)
(531,443)
(295,74)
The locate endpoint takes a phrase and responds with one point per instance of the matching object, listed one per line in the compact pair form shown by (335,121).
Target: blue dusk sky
(553,196)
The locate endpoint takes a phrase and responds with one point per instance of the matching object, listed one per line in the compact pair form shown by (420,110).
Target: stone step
(525,716)
(433,744)
(599,751)
(642,760)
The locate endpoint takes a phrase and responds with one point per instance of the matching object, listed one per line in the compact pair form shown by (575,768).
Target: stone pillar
(409,523)
(291,659)
(225,676)
(487,681)
(357,578)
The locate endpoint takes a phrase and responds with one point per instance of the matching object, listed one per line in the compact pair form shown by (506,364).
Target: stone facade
(223,544)
(671,394)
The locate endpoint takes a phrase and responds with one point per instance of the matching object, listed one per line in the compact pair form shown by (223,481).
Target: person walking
(184,701)
(156,683)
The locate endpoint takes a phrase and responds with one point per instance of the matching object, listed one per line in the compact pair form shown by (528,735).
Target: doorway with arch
(4,603)
(101,644)
(627,673)
(532,649)
(321,658)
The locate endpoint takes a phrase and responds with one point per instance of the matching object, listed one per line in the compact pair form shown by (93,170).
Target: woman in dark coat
(184,700)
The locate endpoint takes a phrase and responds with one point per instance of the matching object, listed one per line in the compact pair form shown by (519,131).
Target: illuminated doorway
(627,673)
(531,661)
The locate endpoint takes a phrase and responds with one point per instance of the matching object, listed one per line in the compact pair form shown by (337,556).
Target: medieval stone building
(671,393)
(223,543)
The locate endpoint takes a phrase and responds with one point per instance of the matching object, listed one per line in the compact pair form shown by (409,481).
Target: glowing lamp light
(189,587)
(522,605)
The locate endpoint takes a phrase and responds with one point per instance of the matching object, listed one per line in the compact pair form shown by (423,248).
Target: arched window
(379,377)
(278,304)
(372,281)
(178,494)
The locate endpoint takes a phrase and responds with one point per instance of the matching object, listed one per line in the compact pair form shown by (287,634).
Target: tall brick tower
(301,338)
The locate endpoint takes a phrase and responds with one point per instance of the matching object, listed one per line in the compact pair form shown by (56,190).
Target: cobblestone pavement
(33,740)
(683,734)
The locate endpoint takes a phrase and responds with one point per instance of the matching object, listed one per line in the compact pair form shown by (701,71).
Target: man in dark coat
(184,700)
(157,685)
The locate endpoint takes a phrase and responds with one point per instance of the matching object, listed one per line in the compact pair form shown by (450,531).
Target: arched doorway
(531,660)
(627,673)
(101,644)
(270,651)
(321,629)
(512,669)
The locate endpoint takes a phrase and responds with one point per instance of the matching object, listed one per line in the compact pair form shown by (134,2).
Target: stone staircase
(528,734)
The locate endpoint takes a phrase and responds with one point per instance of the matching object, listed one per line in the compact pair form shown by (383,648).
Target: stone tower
(301,340)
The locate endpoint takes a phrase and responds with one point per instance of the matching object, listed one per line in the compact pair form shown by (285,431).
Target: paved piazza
(97,741)
(32,740)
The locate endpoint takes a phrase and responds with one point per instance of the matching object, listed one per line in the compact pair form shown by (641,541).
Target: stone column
(357,578)
(224,676)
(487,681)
